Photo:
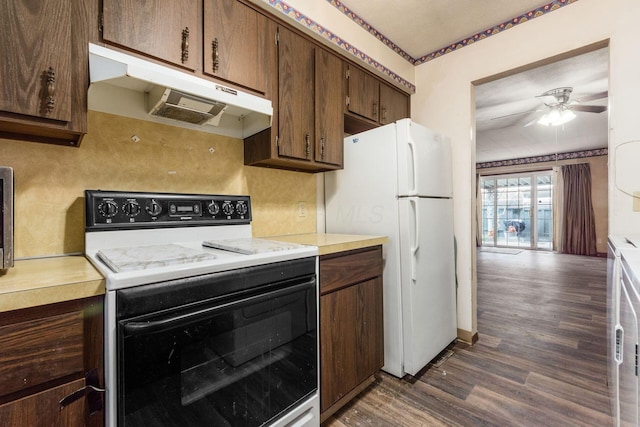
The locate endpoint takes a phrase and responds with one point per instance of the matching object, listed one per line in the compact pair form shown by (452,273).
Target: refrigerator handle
(416,239)
(414,173)
(619,339)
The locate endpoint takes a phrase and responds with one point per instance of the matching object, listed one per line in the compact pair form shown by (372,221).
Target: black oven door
(233,360)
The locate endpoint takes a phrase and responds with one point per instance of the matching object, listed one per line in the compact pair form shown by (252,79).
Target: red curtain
(579,234)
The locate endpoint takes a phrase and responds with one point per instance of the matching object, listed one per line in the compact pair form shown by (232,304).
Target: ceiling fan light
(565,117)
(556,117)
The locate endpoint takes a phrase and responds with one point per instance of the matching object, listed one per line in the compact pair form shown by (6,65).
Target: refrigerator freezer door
(428,279)
(424,161)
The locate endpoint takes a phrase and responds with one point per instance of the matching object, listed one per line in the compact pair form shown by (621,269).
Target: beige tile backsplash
(50,180)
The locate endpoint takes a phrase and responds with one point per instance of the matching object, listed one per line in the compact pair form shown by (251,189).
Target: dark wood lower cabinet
(46,353)
(351,325)
(43,409)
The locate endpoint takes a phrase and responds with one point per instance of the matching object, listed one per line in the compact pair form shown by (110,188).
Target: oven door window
(239,362)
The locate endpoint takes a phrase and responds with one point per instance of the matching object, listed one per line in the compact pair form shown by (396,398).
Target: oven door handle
(178,320)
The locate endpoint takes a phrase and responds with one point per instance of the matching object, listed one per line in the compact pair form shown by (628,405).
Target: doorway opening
(517,210)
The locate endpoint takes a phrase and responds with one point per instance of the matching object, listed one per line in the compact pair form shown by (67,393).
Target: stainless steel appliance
(204,324)
(6,217)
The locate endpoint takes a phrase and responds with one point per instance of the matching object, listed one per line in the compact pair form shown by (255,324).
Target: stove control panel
(109,210)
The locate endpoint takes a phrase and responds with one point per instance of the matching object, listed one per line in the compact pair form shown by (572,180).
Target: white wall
(444,101)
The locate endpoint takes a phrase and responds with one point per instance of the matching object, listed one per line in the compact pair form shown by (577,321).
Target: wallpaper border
(542,159)
(330,36)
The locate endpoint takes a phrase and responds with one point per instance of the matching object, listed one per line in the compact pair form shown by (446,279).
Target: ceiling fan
(560,110)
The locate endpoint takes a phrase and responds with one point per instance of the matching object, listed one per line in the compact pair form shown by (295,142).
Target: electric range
(223,323)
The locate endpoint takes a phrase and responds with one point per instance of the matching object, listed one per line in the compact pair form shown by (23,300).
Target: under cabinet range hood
(133,87)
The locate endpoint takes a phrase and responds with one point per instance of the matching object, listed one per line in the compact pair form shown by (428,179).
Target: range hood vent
(130,86)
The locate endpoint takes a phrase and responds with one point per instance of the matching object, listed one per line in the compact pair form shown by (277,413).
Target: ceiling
(434,24)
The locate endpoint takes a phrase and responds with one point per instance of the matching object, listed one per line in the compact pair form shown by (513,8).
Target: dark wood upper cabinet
(371,102)
(296,59)
(394,105)
(36,75)
(363,93)
(307,127)
(44,73)
(236,44)
(329,110)
(166,30)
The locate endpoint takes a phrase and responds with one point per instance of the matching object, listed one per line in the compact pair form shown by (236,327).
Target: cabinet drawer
(43,410)
(343,270)
(36,351)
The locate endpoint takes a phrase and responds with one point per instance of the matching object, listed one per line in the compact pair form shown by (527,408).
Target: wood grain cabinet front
(48,355)
(371,102)
(307,125)
(351,325)
(44,73)
(166,30)
(236,44)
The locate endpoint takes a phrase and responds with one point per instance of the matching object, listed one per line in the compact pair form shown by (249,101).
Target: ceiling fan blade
(516,114)
(593,97)
(588,108)
(531,122)
(511,115)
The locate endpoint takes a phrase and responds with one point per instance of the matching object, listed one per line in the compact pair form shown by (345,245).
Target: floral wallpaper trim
(546,158)
(328,35)
(543,10)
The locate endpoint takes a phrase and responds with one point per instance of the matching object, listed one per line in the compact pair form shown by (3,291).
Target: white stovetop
(141,258)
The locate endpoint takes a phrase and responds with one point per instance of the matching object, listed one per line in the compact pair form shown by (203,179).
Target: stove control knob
(154,208)
(227,208)
(131,208)
(108,208)
(241,208)
(213,208)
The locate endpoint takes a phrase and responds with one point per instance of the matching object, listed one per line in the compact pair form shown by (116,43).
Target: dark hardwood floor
(540,359)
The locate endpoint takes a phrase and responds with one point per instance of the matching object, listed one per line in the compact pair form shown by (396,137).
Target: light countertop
(42,281)
(332,243)
(35,282)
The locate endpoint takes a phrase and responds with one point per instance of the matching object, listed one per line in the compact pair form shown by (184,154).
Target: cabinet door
(329,114)
(35,75)
(296,58)
(363,93)
(59,345)
(337,345)
(394,105)
(370,338)
(236,43)
(167,30)
(351,339)
(43,409)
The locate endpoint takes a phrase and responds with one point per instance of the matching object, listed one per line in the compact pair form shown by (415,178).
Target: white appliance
(621,324)
(239,314)
(397,182)
(614,330)
(130,86)
(628,339)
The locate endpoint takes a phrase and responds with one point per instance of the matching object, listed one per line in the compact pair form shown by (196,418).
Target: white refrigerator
(396,182)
